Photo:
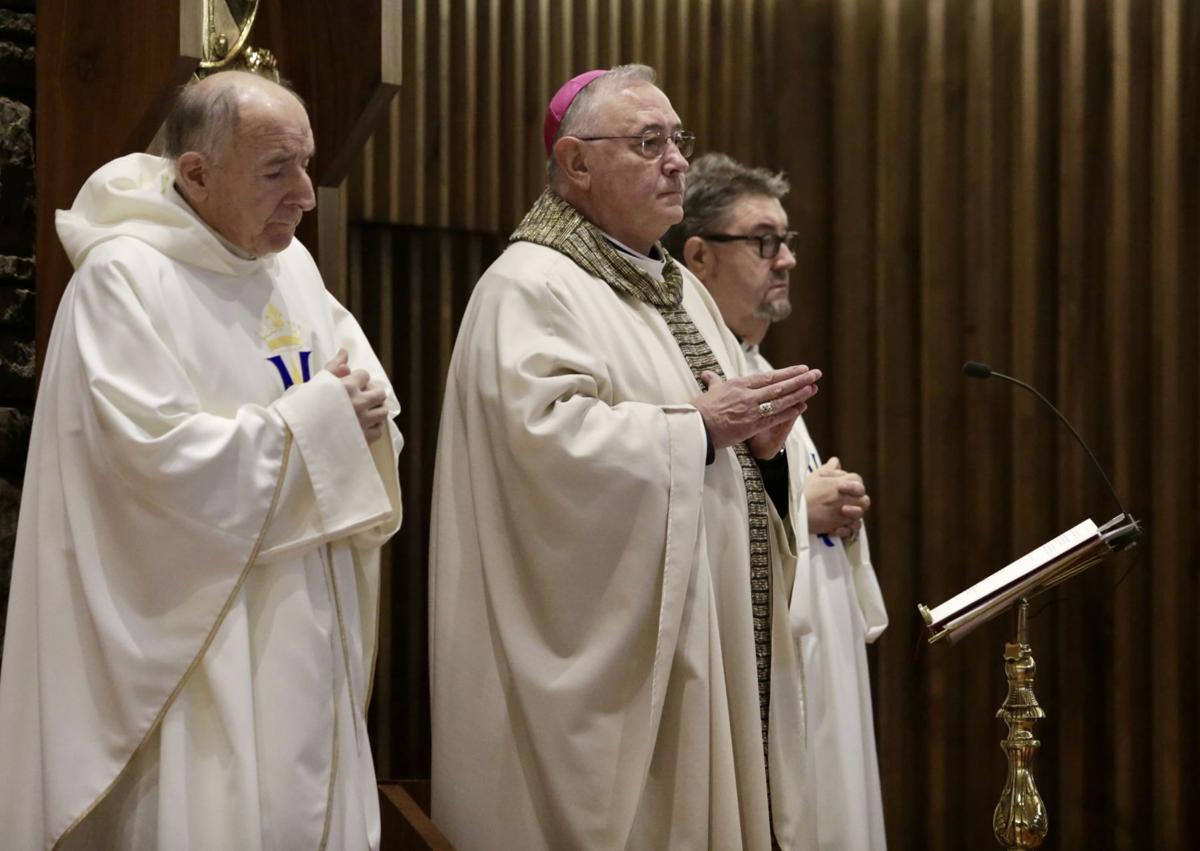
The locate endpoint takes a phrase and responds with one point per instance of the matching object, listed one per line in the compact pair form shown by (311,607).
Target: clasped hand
(836,500)
(732,409)
(369,400)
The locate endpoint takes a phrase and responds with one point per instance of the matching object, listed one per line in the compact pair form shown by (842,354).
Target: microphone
(975,369)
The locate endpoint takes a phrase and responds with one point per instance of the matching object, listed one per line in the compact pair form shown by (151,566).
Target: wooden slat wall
(409,288)
(1013,181)
(462,147)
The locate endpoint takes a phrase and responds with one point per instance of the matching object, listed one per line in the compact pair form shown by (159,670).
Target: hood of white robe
(135,196)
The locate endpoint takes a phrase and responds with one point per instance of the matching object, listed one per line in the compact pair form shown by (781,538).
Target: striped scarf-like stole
(554,223)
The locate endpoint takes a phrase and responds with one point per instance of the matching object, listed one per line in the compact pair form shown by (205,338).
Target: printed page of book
(1012,574)
(1090,553)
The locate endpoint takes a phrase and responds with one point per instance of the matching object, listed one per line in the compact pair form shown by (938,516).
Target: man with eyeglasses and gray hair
(612,607)
(734,237)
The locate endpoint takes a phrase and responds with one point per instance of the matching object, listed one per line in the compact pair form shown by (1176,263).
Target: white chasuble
(847,612)
(191,630)
(593,659)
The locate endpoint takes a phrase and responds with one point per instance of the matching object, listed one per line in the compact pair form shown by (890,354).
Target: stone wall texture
(17,258)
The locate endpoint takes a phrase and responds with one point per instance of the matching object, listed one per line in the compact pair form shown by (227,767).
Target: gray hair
(200,120)
(715,183)
(205,117)
(581,116)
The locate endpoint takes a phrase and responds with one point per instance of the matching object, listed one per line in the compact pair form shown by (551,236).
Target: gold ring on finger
(766,409)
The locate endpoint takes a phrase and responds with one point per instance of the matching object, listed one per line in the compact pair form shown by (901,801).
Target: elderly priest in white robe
(735,238)
(612,607)
(191,629)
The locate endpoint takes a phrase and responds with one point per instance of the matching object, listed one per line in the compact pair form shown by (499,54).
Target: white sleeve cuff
(349,493)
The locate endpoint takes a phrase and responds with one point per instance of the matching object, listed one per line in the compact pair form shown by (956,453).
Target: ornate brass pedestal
(1020,818)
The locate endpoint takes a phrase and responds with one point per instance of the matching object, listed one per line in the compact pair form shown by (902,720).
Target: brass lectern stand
(1020,819)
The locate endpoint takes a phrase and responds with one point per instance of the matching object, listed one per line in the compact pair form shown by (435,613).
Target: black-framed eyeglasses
(654,142)
(768,243)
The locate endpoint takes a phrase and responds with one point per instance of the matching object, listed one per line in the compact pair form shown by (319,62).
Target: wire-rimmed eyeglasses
(654,142)
(768,243)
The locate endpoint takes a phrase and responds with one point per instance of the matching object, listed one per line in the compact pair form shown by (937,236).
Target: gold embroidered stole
(554,223)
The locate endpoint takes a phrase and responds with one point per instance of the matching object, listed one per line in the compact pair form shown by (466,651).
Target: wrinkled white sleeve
(866,585)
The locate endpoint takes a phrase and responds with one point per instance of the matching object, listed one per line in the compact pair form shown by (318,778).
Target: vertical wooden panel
(592,54)
(494,138)
(1128,410)
(1066,776)
(680,78)
(941,466)
(847,348)
(897,396)
(984,541)
(419,165)
(90,87)
(411,286)
(804,112)
(853,227)
(1174,417)
(702,74)
(470,117)
(658,34)
(635,44)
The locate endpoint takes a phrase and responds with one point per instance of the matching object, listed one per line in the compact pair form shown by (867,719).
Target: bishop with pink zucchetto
(614,600)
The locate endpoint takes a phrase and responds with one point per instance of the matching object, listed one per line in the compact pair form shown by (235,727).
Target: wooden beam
(106,74)
(405,824)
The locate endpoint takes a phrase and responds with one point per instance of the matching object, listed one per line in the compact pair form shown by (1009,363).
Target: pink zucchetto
(561,102)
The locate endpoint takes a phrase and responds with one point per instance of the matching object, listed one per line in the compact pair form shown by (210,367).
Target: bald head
(206,113)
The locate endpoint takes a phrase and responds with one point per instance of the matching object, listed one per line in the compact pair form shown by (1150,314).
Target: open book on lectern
(1058,559)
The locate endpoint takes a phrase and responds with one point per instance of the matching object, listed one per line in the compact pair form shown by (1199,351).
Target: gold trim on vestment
(154,725)
(333,770)
(337,605)
(375,632)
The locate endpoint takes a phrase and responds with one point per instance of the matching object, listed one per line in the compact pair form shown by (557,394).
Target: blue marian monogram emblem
(283,340)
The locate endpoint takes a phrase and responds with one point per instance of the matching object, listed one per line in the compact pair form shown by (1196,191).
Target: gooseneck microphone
(975,369)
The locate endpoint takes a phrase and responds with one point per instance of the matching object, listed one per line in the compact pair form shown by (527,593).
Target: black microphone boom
(975,369)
